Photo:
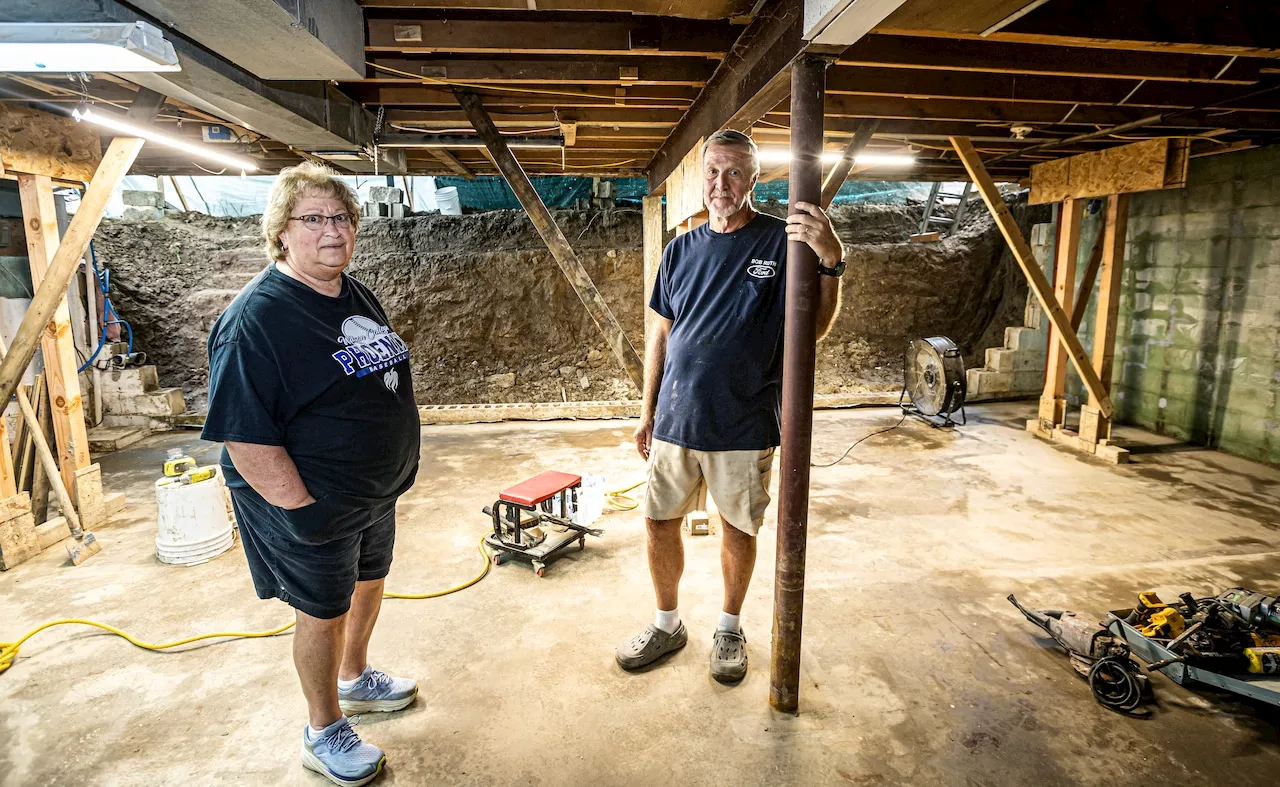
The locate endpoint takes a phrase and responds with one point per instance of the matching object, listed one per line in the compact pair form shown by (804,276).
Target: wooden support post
(182,200)
(1053,404)
(57,343)
(115,163)
(8,480)
(836,177)
(1035,277)
(808,88)
(553,237)
(1094,426)
(652,226)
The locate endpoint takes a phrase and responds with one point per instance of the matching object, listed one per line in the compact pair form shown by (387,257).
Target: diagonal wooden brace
(115,163)
(559,246)
(1035,277)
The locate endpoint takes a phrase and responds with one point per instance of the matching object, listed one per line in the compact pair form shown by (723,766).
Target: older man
(713,389)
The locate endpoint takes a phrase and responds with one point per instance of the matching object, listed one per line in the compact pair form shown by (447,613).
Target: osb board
(1141,166)
(971,16)
(38,143)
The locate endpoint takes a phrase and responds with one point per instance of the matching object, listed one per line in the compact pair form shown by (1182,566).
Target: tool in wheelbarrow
(535,520)
(1101,658)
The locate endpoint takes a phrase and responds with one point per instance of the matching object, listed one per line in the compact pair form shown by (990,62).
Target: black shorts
(311,557)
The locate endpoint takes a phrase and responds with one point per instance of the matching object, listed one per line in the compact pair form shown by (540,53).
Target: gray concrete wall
(1198,349)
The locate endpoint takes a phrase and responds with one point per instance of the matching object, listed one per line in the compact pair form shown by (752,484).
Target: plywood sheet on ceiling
(950,16)
(688,9)
(1141,166)
(39,143)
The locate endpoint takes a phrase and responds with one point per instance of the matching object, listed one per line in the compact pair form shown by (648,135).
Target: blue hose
(108,311)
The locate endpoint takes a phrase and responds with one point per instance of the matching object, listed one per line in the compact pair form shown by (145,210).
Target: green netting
(851,191)
(491,193)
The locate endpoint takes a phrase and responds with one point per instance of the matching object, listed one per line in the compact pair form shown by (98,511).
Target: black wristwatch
(836,271)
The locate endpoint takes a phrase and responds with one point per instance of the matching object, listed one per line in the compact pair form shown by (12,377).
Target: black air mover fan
(933,381)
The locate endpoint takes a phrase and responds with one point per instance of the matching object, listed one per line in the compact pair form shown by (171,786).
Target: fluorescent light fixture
(68,48)
(782,156)
(124,127)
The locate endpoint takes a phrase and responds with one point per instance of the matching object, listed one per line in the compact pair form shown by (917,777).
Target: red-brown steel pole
(808,85)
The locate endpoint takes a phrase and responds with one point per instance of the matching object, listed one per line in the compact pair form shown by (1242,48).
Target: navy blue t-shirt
(323,376)
(722,381)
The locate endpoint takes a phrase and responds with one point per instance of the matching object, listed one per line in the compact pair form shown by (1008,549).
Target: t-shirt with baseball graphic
(325,377)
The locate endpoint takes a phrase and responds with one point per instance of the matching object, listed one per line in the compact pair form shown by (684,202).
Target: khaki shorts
(738,482)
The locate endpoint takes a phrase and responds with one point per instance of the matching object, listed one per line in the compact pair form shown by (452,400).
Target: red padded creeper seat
(541,487)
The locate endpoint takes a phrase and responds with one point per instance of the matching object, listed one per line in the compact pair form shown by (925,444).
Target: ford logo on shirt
(763,269)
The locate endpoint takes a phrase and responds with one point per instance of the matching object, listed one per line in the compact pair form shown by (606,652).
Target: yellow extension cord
(9,650)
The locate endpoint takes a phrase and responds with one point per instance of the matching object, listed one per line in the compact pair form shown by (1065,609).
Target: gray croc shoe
(650,645)
(729,656)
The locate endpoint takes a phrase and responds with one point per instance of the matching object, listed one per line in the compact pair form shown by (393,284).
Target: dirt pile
(490,318)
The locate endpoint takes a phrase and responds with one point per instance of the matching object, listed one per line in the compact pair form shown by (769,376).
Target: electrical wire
(606,100)
(110,317)
(621,501)
(9,650)
(859,440)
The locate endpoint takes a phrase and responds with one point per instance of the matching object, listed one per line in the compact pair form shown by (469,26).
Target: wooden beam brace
(1030,268)
(836,177)
(546,225)
(115,163)
(752,74)
(451,161)
(1081,302)
(60,364)
(1053,403)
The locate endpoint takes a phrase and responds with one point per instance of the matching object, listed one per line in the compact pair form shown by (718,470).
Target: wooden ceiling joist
(985,56)
(559,95)
(689,71)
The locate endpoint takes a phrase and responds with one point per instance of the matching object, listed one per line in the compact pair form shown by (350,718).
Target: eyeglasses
(315,221)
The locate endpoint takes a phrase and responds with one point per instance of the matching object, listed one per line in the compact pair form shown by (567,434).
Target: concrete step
(159,402)
(106,439)
(130,380)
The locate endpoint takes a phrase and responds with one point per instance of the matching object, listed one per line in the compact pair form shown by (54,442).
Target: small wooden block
(82,550)
(1113,453)
(53,532)
(114,503)
(925,237)
(18,539)
(1094,426)
(88,497)
(698,523)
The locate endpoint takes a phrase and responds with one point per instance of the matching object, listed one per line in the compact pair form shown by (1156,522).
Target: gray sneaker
(650,645)
(729,656)
(339,755)
(376,691)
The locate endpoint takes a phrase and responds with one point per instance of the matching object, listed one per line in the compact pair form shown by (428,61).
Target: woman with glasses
(310,391)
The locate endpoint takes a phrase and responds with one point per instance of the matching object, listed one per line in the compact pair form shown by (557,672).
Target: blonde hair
(307,179)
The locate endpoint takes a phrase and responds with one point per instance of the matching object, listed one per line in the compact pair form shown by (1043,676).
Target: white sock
(728,622)
(667,620)
(348,684)
(313,732)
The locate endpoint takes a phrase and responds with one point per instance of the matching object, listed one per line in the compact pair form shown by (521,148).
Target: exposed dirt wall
(490,318)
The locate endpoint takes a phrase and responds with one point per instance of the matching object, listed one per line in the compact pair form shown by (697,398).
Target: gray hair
(730,138)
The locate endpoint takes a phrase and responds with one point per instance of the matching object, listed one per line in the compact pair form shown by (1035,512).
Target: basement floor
(916,669)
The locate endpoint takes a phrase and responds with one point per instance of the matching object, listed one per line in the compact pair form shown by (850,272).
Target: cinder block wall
(1198,342)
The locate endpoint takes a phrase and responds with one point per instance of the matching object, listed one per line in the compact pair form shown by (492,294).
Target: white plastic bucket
(194,526)
(448,201)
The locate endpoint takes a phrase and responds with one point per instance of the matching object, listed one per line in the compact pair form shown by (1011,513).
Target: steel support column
(808,86)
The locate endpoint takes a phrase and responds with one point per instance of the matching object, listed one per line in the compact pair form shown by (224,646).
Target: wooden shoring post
(808,81)
(652,227)
(1053,403)
(546,225)
(1094,426)
(836,177)
(60,364)
(1026,260)
(182,199)
(115,163)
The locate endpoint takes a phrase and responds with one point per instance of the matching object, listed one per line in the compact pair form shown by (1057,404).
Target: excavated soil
(490,318)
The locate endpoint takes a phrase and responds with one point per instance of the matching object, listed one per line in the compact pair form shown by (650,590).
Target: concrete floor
(916,669)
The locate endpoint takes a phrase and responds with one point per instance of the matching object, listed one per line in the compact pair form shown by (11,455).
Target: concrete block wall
(1198,341)
(1017,368)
